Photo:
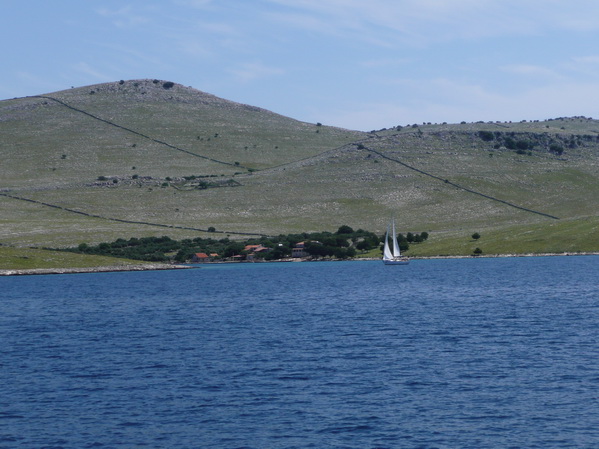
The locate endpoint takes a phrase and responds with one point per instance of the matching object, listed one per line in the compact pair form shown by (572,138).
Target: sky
(356,64)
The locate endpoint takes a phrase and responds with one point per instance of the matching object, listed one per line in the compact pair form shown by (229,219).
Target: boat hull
(402,261)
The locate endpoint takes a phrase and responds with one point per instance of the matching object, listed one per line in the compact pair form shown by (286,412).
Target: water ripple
(454,353)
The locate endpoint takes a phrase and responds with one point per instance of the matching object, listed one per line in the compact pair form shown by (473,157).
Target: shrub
(510,143)
(345,230)
(487,136)
(167,85)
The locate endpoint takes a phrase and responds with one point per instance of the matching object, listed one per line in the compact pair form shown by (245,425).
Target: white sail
(387,254)
(396,252)
(391,252)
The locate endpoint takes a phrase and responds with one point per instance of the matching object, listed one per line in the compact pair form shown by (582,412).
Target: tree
(510,143)
(345,230)
(183,256)
(318,249)
(477,251)
(344,253)
(475,236)
(233,249)
(487,136)
(364,245)
(277,253)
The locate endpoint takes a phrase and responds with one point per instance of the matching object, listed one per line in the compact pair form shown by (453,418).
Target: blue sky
(358,64)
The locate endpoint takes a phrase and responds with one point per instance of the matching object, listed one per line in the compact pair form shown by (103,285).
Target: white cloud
(385,62)
(195,48)
(419,22)
(37,83)
(444,100)
(594,59)
(570,99)
(86,69)
(199,4)
(125,17)
(531,71)
(255,70)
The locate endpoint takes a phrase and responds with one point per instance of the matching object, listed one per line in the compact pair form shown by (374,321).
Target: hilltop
(152,157)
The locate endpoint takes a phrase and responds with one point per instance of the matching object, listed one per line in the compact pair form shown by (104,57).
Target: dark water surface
(476,353)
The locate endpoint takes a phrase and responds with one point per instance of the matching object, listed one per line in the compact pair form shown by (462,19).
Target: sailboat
(391,253)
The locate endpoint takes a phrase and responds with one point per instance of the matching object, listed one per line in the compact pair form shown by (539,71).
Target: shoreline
(101,269)
(164,266)
(494,256)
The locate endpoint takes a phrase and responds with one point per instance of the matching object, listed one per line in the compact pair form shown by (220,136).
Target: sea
(448,353)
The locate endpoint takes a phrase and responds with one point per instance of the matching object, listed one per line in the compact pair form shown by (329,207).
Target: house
(255,248)
(200,258)
(252,250)
(299,250)
(203,257)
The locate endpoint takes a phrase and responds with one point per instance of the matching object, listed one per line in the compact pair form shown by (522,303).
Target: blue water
(475,353)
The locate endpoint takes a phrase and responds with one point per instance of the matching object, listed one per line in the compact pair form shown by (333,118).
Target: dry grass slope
(149,157)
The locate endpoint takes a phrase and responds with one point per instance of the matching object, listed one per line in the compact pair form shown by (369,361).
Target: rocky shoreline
(106,269)
(165,266)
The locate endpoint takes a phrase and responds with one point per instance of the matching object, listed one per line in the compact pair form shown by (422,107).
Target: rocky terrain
(152,157)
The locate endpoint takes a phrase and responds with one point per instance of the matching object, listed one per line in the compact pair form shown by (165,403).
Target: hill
(151,157)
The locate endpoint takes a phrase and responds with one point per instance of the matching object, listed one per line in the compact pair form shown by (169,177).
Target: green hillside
(150,158)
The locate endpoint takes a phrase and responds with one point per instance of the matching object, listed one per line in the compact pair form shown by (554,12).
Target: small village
(251,253)
(345,243)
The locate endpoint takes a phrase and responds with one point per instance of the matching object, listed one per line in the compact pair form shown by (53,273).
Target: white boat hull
(403,261)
